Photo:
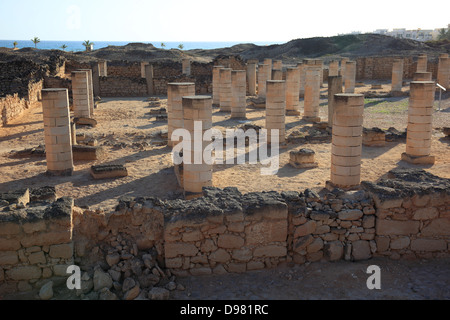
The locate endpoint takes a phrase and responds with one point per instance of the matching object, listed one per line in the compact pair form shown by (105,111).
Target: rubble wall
(35,241)
(406,216)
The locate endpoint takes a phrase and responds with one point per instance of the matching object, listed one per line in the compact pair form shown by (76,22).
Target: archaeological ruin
(90,146)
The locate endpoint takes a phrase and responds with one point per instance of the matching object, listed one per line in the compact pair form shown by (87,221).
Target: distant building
(417,34)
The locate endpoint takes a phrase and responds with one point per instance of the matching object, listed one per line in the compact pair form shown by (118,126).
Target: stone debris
(108,171)
(46,291)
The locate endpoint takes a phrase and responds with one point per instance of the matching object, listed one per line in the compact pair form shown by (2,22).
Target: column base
(192,195)
(293,112)
(67,172)
(397,93)
(308,165)
(418,159)
(331,186)
(311,119)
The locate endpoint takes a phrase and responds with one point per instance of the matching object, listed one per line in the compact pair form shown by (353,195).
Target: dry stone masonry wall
(405,216)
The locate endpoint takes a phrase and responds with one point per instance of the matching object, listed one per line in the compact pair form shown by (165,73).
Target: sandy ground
(128,134)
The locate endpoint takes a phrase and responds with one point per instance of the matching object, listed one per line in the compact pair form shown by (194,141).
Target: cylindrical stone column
(80,94)
(443,76)
(149,79)
(350,77)
(216,85)
(197,173)
(263,76)
(420,118)
(276,109)
(422,76)
(346,142)
(422,62)
(333,68)
(312,94)
(238,89)
(186,66)
(269,63)
(277,65)
(397,75)
(292,89)
(334,87)
(91,90)
(143,64)
(319,63)
(175,92)
(301,69)
(57,134)
(277,74)
(343,65)
(251,78)
(103,68)
(225,89)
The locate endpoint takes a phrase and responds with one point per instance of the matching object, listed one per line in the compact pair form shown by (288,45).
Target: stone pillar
(149,79)
(276,109)
(175,91)
(103,68)
(333,68)
(334,87)
(216,85)
(312,94)
(422,62)
(346,143)
(58,147)
(301,69)
(264,73)
(443,76)
(292,89)
(319,63)
(91,90)
(186,65)
(80,94)
(196,176)
(277,65)
(238,90)
(343,64)
(96,78)
(419,129)
(277,74)
(251,78)
(269,63)
(397,75)
(350,77)
(143,64)
(422,76)
(225,89)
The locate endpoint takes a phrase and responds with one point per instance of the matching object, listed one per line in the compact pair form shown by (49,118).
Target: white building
(417,34)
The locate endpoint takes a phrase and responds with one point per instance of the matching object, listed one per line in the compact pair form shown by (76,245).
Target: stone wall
(13,105)
(35,241)
(413,215)
(122,87)
(405,216)
(380,68)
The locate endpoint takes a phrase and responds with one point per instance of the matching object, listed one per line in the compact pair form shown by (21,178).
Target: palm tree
(88,45)
(63,47)
(15,44)
(180,46)
(444,34)
(163,45)
(35,40)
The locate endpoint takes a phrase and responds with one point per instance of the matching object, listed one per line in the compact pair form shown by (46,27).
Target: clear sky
(211,20)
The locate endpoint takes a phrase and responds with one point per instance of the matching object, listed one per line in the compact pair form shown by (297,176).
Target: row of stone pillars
(58,131)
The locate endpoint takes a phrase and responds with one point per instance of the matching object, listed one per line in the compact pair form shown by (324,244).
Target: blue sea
(78,45)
